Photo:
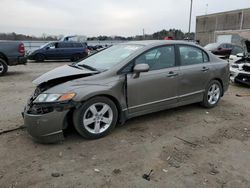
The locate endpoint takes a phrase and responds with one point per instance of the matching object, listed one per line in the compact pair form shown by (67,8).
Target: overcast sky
(105,17)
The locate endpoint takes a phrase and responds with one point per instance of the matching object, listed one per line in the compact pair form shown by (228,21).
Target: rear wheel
(39,57)
(3,67)
(76,57)
(212,94)
(96,118)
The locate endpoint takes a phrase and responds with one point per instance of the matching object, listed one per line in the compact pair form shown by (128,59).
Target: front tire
(39,57)
(96,118)
(212,94)
(3,67)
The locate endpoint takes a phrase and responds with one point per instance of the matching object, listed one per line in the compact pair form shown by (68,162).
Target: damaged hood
(65,71)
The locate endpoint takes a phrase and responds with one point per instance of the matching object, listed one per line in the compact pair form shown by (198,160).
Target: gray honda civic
(121,82)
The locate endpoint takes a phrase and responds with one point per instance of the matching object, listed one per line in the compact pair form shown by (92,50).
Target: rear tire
(212,94)
(39,58)
(76,57)
(3,67)
(96,118)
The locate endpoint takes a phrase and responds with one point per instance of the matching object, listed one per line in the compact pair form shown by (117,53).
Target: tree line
(177,34)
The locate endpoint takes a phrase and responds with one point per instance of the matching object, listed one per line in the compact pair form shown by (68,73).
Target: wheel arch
(121,117)
(221,83)
(4,57)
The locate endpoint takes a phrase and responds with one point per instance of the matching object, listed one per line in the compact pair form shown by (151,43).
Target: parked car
(11,53)
(60,50)
(224,49)
(240,68)
(121,82)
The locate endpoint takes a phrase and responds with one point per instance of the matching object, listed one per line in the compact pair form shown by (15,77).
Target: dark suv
(60,50)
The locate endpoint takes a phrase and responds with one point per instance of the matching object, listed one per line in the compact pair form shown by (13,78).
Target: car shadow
(13,73)
(71,134)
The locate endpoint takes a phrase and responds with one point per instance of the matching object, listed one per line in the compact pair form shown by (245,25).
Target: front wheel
(39,58)
(212,94)
(96,118)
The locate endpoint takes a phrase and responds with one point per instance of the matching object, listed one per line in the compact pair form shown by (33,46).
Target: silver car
(121,82)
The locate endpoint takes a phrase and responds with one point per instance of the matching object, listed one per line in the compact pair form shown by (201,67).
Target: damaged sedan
(121,82)
(240,69)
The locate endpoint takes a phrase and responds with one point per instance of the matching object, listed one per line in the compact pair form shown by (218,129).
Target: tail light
(86,50)
(21,48)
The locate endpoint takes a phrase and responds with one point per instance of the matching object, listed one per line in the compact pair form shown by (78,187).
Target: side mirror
(140,68)
(219,48)
(47,48)
(240,55)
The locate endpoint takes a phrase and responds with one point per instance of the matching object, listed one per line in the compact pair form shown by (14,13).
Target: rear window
(65,45)
(70,45)
(77,45)
(190,55)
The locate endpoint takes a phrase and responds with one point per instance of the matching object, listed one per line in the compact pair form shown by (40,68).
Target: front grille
(36,109)
(246,68)
(39,110)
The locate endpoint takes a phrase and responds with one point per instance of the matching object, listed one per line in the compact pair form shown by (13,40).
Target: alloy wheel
(213,94)
(98,118)
(1,67)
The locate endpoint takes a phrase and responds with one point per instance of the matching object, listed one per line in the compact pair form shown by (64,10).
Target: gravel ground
(185,147)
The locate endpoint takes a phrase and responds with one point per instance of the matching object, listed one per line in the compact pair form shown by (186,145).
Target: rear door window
(77,45)
(190,55)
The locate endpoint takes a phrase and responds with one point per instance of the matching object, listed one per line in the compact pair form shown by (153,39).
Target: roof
(223,13)
(157,42)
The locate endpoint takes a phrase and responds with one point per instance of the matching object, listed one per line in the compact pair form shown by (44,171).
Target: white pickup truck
(11,53)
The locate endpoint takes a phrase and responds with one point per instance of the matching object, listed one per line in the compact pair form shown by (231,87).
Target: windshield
(110,57)
(211,46)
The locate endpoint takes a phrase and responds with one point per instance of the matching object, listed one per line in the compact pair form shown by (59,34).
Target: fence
(33,45)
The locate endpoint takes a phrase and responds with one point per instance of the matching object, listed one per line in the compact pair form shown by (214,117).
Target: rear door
(195,72)
(157,88)
(64,50)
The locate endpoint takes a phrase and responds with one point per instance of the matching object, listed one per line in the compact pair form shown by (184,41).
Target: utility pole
(143,33)
(190,18)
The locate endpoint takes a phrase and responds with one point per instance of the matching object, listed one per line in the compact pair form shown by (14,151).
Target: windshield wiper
(80,66)
(75,66)
(87,67)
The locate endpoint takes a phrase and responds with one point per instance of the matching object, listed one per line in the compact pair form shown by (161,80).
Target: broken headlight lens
(44,97)
(235,66)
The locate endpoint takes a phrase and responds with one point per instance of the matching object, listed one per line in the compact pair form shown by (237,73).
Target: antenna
(206,9)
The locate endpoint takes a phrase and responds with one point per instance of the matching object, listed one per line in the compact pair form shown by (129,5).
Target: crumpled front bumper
(238,76)
(46,128)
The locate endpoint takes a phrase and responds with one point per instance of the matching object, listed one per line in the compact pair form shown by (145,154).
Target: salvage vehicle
(60,50)
(240,69)
(224,49)
(121,82)
(11,53)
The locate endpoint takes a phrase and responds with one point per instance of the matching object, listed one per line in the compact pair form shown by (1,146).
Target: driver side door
(156,89)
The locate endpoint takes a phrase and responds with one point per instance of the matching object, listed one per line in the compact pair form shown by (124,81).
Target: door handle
(172,74)
(204,69)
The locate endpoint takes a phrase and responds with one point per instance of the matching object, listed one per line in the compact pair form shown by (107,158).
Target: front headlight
(46,97)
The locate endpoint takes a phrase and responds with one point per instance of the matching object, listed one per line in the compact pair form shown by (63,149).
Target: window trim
(133,60)
(179,55)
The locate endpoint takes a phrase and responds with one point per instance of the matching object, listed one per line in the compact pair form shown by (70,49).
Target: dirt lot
(214,151)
